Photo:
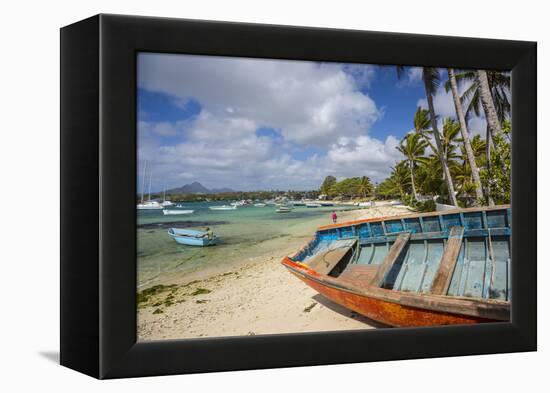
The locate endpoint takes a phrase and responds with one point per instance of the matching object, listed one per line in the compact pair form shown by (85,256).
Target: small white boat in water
(167,203)
(313,205)
(283,209)
(223,207)
(260,204)
(149,205)
(167,212)
(192,237)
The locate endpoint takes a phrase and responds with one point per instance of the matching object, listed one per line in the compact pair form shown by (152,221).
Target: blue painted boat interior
(482,269)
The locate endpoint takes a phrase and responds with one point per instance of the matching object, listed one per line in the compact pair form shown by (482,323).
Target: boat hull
(188,241)
(191,237)
(382,311)
(176,212)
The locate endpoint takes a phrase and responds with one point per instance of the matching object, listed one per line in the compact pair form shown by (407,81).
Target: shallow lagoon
(244,233)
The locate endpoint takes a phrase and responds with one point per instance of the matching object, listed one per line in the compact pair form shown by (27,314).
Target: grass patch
(145,295)
(310,307)
(200,291)
(190,283)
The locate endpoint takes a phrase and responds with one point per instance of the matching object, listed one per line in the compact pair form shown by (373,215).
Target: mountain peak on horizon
(197,188)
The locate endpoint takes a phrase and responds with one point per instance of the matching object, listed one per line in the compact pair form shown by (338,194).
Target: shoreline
(253,296)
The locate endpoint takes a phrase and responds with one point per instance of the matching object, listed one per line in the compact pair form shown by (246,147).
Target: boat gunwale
(412,215)
(458,305)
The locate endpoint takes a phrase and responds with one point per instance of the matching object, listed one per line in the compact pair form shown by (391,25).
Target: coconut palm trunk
(437,137)
(488,104)
(411,166)
(490,200)
(465,134)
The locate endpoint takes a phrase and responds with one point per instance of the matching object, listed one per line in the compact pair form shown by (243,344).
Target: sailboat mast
(164,192)
(143,180)
(150,177)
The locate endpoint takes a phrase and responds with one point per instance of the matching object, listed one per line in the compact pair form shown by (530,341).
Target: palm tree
(430,77)
(364,187)
(465,135)
(413,147)
(422,125)
(478,147)
(488,103)
(499,87)
(499,83)
(450,138)
(399,179)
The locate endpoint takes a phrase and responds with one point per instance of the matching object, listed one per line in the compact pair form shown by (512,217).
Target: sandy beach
(255,296)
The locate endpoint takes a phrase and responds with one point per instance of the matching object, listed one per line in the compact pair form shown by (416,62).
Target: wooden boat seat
(358,275)
(326,260)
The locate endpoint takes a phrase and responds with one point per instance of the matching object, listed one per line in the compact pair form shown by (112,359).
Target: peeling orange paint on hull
(392,314)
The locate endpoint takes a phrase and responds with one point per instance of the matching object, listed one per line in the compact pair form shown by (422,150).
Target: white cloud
(251,162)
(307,101)
(412,77)
(318,106)
(443,103)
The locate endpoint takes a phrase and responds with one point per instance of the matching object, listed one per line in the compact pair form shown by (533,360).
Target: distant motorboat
(260,204)
(223,207)
(149,205)
(193,237)
(298,203)
(311,205)
(167,212)
(326,204)
(366,204)
(167,203)
(396,203)
(283,209)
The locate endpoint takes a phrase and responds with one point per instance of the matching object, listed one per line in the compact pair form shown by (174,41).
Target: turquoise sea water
(243,233)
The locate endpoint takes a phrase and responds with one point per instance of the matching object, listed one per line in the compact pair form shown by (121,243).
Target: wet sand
(257,296)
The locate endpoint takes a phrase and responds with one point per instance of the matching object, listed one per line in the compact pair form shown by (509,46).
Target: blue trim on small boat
(192,237)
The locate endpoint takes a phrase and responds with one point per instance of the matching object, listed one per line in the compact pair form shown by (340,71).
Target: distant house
(322,196)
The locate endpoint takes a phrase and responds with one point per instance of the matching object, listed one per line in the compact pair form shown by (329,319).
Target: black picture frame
(98,167)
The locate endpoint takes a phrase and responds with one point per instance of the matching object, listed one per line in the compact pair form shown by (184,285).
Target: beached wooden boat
(192,237)
(428,269)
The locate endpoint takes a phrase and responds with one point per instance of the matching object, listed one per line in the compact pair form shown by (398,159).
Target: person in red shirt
(334,217)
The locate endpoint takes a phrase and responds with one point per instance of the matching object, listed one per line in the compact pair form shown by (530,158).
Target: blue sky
(252,124)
